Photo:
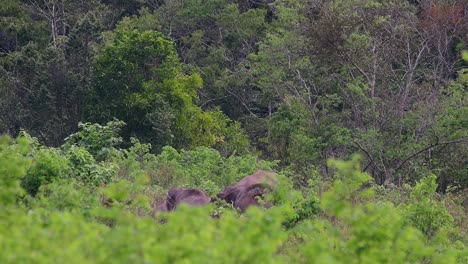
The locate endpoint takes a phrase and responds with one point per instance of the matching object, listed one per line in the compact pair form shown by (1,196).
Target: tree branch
(242,102)
(428,148)
(372,161)
(213,99)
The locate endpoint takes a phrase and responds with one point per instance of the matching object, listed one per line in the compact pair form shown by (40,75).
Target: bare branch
(213,99)
(428,148)
(372,161)
(242,102)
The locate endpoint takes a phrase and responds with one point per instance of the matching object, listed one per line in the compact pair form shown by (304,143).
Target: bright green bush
(305,206)
(99,140)
(203,167)
(79,215)
(87,170)
(14,164)
(138,78)
(66,195)
(358,230)
(48,165)
(190,235)
(424,212)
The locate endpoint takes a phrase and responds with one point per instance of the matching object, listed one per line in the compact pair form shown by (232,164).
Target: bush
(203,167)
(87,171)
(82,214)
(66,195)
(14,164)
(98,140)
(48,165)
(424,212)
(357,230)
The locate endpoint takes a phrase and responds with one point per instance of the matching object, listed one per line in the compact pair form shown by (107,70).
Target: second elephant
(250,190)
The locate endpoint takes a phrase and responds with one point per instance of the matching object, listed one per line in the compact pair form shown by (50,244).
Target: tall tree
(139,79)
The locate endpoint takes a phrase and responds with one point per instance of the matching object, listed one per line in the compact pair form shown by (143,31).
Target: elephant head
(253,195)
(246,192)
(192,197)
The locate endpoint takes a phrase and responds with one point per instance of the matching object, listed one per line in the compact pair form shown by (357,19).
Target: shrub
(423,211)
(98,140)
(87,171)
(66,195)
(48,165)
(203,167)
(359,230)
(14,164)
(71,219)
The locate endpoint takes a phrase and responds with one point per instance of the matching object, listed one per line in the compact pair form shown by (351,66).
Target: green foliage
(305,205)
(424,212)
(139,79)
(185,238)
(307,80)
(17,27)
(284,124)
(203,167)
(71,219)
(98,140)
(251,22)
(233,140)
(89,151)
(346,188)
(452,127)
(34,82)
(363,231)
(45,239)
(66,195)
(14,165)
(258,235)
(297,141)
(48,166)
(465,55)
(89,172)
(45,64)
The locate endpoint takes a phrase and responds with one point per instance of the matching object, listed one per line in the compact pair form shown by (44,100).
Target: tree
(37,93)
(48,50)
(139,79)
(17,27)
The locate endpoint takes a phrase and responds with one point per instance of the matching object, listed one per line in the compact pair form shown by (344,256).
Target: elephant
(247,191)
(251,196)
(176,196)
(161,208)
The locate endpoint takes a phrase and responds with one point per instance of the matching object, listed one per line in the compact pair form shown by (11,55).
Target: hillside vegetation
(360,106)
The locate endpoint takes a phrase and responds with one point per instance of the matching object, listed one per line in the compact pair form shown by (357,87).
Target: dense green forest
(360,106)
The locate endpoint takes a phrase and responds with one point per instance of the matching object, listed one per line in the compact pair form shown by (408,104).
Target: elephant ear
(171,200)
(162,207)
(251,195)
(193,192)
(258,189)
(196,199)
(229,194)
